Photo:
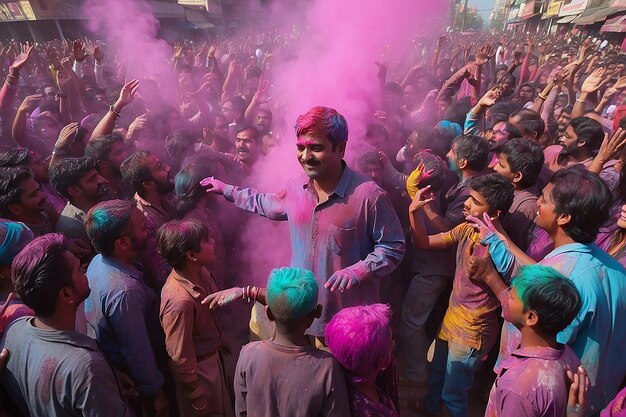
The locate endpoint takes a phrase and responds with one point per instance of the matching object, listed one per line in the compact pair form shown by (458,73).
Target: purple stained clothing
(617,407)
(278,380)
(597,334)
(532,383)
(356,230)
(156,269)
(471,318)
(519,221)
(363,406)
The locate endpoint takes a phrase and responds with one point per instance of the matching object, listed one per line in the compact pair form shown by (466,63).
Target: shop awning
(197,18)
(591,16)
(616,24)
(167,10)
(566,19)
(530,16)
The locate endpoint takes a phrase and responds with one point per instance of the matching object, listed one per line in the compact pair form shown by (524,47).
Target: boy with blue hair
(286,375)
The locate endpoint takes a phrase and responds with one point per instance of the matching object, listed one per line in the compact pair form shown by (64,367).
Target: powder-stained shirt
(58,373)
(157,269)
(276,380)
(597,334)
(519,221)
(363,406)
(191,331)
(471,318)
(72,223)
(122,314)
(532,383)
(356,230)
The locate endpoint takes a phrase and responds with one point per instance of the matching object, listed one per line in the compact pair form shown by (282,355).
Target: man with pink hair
(343,227)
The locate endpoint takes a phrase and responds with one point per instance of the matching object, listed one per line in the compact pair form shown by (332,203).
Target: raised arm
(107,124)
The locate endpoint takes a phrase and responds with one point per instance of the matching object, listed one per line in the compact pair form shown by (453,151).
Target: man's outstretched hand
(213,186)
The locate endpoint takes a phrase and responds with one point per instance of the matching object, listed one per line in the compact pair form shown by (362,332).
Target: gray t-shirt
(276,380)
(58,373)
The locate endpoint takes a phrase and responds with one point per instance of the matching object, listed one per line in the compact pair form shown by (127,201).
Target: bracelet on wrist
(112,110)
(541,96)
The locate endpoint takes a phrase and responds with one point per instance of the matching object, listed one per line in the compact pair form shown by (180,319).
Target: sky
(484,7)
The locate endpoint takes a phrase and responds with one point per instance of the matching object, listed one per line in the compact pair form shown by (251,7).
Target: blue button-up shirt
(123,316)
(356,230)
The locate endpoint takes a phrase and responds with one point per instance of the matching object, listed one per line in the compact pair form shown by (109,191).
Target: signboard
(573,7)
(513,13)
(17,10)
(528,9)
(554,8)
(213,7)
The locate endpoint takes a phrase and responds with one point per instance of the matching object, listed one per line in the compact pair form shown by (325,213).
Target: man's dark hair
(10,186)
(524,156)
(588,130)
(568,109)
(177,237)
(99,148)
(40,271)
(239,104)
(135,171)
(530,121)
(177,145)
(14,157)
(255,132)
(500,112)
(375,129)
(474,149)
(585,197)
(68,172)
(496,189)
(108,221)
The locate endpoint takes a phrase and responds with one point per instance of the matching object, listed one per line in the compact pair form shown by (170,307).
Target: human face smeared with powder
(319,158)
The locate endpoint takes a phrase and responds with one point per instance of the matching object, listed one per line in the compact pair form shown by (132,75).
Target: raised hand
(485,53)
(22,58)
(620,84)
(30,103)
(98,54)
(610,147)
(63,79)
(422,197)
(66,135)
(593,81)
(413,180)
(491,97)
(484,226)
(261,96)
(78,50)
(127,94)
(578,392)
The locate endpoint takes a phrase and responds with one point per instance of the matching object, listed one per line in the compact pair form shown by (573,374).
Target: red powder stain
(46,377)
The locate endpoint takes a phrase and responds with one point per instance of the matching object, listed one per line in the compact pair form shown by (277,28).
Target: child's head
(292,296)
(182,241)
(491,194)
(520,160)
(542,298)
(360,339)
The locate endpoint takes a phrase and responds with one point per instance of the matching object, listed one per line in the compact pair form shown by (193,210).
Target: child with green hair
(540,303)
(285,375)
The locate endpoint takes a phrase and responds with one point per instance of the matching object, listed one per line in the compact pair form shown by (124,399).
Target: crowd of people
(483,217)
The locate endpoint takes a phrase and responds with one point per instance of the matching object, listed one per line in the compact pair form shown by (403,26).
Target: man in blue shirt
(343,226)
(571,210)
(122,311)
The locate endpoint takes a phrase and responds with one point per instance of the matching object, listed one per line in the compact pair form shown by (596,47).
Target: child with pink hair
(360,339)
